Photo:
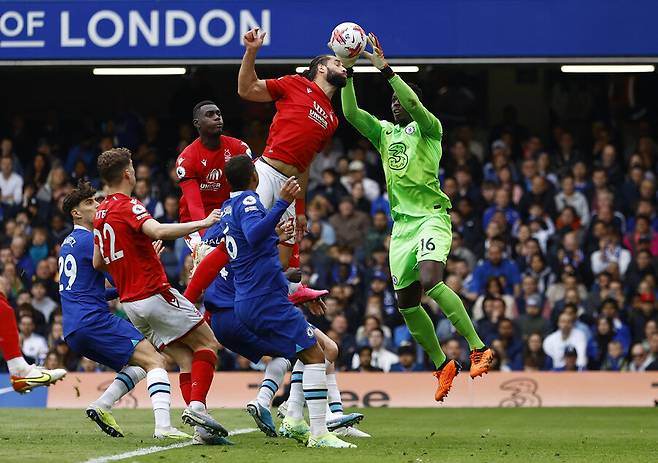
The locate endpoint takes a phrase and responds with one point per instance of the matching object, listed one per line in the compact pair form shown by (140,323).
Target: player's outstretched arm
(257,227)
(250,87)
(171,231)
(428,123)
(363,121)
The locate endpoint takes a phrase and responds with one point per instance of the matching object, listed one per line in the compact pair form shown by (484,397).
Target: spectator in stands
(533,357)
(541,272)
(330,188)
(365,361)
(357,174)
(532,321)
(339,332)
(653,353)
(325,159)
(570,361)
(381,357)
(610,252)
(597,348)
(510,341)
(53,360)
(494,288)
(570,197)
(407,360)
(40,299)
(351,226)
(494,310)
(615,359)
(556,343)
(639,358)
(377,233)
(370,323)
(11,183)
(644,233)
(88,366)
(143,193)
(495,265)
(540,193)
(24,264)
(502,203)
(33,345)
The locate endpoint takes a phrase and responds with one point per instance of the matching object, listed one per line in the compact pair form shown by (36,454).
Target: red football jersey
(207,167)
(135,268)
(304,121)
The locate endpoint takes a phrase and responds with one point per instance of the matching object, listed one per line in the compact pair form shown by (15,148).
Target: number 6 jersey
(128,252)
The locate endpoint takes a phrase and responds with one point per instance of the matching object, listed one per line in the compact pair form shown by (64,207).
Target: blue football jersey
(251,243)
(81,287)
(221,292)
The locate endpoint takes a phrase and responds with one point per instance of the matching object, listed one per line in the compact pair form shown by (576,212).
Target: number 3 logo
(397,156)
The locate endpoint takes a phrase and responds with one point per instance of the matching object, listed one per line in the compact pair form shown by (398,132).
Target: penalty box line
(156,449)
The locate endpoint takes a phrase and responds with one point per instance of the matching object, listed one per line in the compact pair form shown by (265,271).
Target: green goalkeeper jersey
(410,154)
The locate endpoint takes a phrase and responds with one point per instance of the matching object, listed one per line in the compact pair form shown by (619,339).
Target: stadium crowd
(554,252)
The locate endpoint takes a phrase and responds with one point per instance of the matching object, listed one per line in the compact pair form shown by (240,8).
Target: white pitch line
(156,449)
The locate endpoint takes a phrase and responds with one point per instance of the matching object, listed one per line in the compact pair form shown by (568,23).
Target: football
(348,40)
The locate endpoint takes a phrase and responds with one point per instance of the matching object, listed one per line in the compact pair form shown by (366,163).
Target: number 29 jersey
(127,251)
(81,287)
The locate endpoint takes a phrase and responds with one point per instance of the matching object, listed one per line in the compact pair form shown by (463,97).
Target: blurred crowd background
(555,235)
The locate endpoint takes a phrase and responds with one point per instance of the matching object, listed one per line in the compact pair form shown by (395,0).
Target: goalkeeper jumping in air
(422,232)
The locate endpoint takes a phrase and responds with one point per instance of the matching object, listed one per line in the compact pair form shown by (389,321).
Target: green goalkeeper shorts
(417,239)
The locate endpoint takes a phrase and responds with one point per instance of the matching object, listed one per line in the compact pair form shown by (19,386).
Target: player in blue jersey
(91,330)
(233,334)
(261,289)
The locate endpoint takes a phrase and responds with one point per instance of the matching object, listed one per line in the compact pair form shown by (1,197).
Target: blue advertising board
(169,30)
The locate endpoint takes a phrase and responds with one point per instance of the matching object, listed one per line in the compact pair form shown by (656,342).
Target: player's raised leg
(24,377)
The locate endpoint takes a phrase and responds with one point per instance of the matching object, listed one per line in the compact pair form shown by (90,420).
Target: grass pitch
(399,435)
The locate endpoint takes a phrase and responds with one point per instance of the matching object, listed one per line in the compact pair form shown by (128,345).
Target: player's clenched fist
(254,38)
(214,217)
(290,190)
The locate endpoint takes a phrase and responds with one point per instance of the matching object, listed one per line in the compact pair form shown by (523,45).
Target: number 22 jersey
(128,252)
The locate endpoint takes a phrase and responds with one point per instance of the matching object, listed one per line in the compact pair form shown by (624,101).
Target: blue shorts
(236,337)
(273,318)
(108,340)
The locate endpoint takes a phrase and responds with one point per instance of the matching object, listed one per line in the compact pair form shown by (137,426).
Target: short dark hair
(112,163)
(83,191)
(312,70)
(238,171)
(199,105)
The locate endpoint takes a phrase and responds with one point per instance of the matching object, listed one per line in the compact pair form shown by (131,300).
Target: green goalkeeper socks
(453,308)
(422,329)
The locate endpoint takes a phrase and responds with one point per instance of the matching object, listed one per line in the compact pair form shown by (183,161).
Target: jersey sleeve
(135,214)
(278,88)
(364,122)
(257,225)
(186,166)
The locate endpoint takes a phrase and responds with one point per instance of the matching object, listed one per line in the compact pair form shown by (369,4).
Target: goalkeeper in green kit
(422,232)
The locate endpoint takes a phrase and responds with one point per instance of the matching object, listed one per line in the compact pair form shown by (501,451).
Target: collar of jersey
(79,227)
(236,193)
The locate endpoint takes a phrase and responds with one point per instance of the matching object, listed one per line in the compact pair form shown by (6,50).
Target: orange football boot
(481,361)
(445,376)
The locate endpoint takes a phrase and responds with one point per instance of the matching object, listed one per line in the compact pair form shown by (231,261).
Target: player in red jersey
(304,123)
(200,167)
(123,233)
(24,377)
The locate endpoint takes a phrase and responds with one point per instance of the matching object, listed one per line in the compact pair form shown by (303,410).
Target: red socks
(203,370)
(185,380)
(206,272)
(293,262)
(9,345)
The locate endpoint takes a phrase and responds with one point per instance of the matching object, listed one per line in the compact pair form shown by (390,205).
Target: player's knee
(430,276)
(154,361)
(330,349)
